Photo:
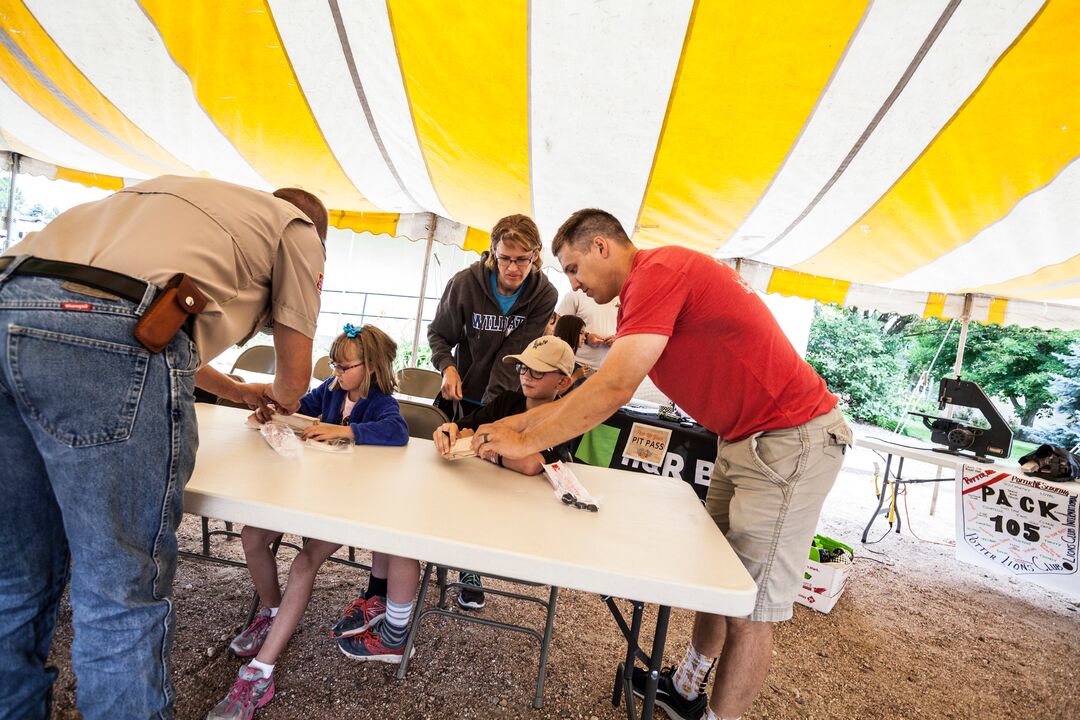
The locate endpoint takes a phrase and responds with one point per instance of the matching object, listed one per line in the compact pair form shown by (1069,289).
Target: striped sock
(395,625)
(691,673)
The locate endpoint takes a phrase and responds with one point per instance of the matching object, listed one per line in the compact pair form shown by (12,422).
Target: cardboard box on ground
(824,582)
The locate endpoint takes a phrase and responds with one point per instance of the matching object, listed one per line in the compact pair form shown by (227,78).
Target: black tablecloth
(691,451)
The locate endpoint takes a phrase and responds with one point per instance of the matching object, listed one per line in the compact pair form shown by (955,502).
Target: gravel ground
(917,634)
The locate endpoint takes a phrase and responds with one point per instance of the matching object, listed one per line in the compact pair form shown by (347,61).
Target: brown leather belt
(97,278)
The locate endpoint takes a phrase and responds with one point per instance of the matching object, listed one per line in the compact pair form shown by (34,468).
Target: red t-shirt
(727,361)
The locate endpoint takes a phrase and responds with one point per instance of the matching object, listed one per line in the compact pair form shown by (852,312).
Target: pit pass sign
(1020,526)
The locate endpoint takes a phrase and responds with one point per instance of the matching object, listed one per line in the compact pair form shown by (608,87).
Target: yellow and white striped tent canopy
(898,154)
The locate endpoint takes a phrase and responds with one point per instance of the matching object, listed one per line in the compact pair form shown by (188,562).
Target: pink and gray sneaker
(249,642)
(248,693)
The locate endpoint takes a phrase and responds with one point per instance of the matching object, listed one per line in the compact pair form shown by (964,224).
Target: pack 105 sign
(1020,525)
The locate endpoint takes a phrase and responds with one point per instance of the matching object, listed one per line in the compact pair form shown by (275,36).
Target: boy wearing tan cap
(544,369)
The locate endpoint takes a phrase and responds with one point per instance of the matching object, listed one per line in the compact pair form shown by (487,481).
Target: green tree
(860,360)
(1066,386)
(1012,363)
(20,201)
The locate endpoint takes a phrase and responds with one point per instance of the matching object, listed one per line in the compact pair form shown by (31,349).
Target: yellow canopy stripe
(465,67)
(935,306)
(1012,137)
(105,182)
(242,77)
(1054,282)
(811,287)
(23,83)
(374,222)
(25,31)
(476,240)
(736,110)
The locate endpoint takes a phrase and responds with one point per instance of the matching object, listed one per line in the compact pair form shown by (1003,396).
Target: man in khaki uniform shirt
(99,433)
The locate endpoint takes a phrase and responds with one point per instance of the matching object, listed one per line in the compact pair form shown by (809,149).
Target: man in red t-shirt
(710,344)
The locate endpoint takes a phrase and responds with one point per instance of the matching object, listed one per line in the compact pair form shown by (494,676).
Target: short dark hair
(309,205)
(581,227)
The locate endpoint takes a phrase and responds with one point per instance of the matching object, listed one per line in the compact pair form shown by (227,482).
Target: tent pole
(10,222)
(423,291)
(965,318)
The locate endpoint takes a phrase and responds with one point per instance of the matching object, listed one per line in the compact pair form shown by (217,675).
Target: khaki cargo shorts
(766,495)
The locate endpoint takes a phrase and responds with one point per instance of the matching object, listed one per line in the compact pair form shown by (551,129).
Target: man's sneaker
(249,642)
(250,692)
(470,598)
(368,645)
(667,697)
(358,616)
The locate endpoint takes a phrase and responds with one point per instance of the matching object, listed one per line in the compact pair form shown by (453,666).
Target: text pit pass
(647,444)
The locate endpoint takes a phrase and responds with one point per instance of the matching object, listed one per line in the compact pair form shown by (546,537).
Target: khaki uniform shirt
(253,255)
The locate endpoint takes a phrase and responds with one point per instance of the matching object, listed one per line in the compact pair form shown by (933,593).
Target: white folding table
(408,501)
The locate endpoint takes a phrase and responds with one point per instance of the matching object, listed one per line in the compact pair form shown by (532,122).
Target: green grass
(916,429)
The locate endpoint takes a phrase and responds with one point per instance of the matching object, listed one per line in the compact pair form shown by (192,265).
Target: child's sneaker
(471,595)
(368,645)
(358,616)
(250,692)
(249,642)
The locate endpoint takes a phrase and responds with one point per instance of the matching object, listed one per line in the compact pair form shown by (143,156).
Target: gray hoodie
(469,324)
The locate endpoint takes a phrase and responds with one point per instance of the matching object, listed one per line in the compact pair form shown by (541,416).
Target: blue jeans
(97,440)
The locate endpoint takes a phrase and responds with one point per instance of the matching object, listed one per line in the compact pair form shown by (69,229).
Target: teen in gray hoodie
(492,308)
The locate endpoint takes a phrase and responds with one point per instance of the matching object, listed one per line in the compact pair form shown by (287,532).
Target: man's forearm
(292,350)
(211,380)
(578,412)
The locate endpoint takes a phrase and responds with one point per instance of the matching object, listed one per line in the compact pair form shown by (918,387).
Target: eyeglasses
(342,369)
(507,261)
(522,368)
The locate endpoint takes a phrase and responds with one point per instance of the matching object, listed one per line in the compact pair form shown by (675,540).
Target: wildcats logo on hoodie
(504,324)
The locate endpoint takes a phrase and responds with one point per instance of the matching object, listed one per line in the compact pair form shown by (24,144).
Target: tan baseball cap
(546,354)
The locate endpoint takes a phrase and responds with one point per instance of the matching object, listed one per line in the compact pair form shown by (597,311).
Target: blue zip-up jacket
(375,420)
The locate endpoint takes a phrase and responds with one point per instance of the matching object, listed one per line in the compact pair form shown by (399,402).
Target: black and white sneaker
(472,597)
(667,697)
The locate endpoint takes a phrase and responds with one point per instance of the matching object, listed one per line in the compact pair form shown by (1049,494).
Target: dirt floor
(917,634)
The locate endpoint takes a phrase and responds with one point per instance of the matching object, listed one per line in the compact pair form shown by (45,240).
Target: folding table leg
(441,579)
(659,638)
(545,645)
(881,497)
(410,640)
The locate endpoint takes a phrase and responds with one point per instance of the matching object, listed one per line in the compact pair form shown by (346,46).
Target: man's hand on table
(501,439)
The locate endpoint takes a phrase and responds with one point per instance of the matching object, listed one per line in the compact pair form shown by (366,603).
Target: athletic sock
(396,623)
(266,670)
(691,673)
(375,586)
(273,612)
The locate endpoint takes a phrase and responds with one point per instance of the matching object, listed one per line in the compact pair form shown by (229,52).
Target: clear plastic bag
(281,437)
(568,488)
